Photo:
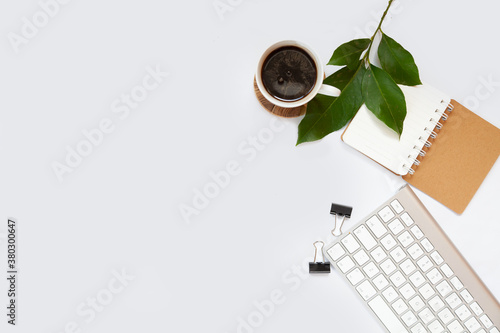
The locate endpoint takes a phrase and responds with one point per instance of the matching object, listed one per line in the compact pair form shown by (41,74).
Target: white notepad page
(366,133)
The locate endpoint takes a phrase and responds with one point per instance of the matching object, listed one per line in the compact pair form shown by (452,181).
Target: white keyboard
(402,265)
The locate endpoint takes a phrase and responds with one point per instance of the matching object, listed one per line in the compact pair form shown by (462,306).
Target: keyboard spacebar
(386,316)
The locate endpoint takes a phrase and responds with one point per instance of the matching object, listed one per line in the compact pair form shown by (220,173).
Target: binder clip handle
(344,212)
(319,265)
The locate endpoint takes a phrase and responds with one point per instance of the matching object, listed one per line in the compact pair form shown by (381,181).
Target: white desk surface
(119,209)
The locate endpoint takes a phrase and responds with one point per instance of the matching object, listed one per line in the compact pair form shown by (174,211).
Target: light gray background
(120,208)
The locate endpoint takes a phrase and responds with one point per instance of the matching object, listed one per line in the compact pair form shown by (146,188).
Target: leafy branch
(361,82)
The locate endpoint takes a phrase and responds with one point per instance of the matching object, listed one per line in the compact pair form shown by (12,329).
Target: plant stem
(379,28)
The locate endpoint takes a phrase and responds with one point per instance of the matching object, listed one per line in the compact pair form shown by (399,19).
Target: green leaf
(384,98)
(326,114)
(398,62)
(349,53)
(340,78)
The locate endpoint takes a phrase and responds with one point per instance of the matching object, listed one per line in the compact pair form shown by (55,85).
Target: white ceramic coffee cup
(318,87)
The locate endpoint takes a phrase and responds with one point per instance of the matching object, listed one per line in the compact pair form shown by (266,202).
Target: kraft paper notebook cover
(445,150)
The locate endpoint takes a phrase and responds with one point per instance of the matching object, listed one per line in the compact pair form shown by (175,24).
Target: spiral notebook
(445,150)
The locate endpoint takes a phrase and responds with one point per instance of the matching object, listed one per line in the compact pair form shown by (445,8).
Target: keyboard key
(416,303)
(427,245)
(407,219)
(476,308)
(371,270)
(486,321)
(398,254)
(397,279)
(425,263)
(336,252)
(407,291)
(436,303)
(386,316)
(463,312)
(350,243)
(376,226)
(494,330)
(417,232)
(446,316)
(388,266)
(456,283)
(361,257)
(355,276)
(365,237)
(437,258)
(481,331)
(366,290)
(426,291)
(399,306)
(418,329)
(436,327)
(434,276)
(426,315)
(390,294)
(398,208)
(386,214)
(388,242)
(444,288)
(380,282)
(405,239)
(455,327)
(409,318)
(378,254)
(472,324)
(407,266)
(345,264)
(415,251)
(453,300)
(466,295)
(447,270)
(417,279)
(396,226)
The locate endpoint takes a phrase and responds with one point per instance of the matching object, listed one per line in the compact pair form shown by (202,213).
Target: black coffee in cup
(289,73)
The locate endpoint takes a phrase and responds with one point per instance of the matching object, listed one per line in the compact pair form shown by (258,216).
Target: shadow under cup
(289,73)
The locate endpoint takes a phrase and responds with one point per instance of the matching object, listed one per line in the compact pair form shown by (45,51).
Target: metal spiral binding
(432,134)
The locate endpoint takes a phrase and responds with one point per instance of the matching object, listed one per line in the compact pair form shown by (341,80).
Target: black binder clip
(319,266)
(344,212)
